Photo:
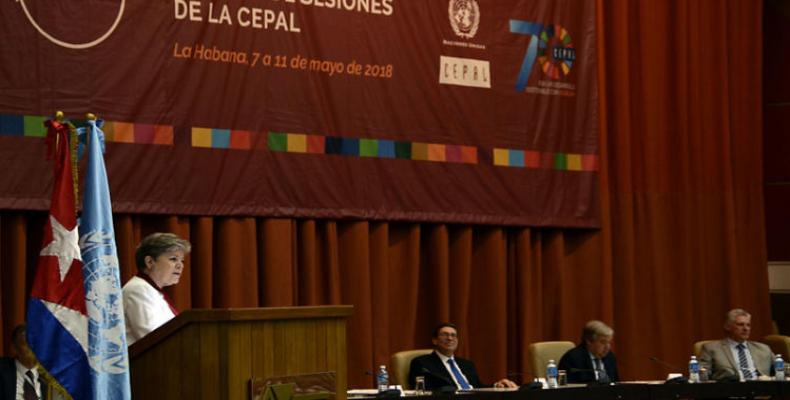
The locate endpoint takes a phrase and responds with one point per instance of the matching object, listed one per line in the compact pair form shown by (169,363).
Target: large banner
(467,111)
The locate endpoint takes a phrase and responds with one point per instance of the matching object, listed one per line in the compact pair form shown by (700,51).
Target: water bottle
(693,370)
(383,378)
(551,374)
(779,368)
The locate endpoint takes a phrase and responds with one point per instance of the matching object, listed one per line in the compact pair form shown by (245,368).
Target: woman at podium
(160,262)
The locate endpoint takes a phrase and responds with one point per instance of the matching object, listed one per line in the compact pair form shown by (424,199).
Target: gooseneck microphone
(665,364)
(449,388)
(594,382)
(534,385)
(677,379)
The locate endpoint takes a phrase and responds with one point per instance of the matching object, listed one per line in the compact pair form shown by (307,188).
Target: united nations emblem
(464,17)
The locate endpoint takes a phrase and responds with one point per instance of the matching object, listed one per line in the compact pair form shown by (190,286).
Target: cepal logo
(551,46)
(464,17)
(69,45)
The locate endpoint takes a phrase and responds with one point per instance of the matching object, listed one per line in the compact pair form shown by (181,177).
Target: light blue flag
(107,353)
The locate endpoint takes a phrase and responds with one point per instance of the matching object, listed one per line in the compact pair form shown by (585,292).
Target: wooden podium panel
(213,354)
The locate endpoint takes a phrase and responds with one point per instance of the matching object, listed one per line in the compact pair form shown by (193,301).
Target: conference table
(624,391)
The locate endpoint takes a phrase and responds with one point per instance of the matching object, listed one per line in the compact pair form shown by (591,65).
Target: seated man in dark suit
(19,378)
(735,357)
(442,369)
(592,360)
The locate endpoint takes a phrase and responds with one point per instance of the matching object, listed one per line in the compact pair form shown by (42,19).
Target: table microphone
(534,385)
(677,379)
(594,382)
(447,389)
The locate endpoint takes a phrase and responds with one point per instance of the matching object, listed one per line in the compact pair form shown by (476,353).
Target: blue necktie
(458,376)
(747,373)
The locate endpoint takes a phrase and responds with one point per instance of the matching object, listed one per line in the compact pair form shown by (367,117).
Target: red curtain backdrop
(682,239)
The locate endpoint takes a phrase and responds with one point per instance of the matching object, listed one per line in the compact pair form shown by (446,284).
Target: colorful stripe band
(545,160)
(114,131)
(227,139)
(373,148)
(128,132)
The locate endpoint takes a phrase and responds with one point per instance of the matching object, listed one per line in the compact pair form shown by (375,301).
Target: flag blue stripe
(69,364)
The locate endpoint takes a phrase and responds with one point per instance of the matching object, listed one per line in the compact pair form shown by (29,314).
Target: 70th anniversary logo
(549,48)
(552,47)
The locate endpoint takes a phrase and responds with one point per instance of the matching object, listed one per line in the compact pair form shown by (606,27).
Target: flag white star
(63,246)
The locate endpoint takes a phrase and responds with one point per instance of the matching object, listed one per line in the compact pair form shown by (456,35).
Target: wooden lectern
(213,354)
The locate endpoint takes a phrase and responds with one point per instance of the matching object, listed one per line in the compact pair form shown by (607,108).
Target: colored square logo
(316,144)
(436,152)
(220,138)
(502,157)
(109,131)
(278,141)
(12,125)
(201,137)
(386,149)
(532,159)
(334,145)
(259,140)
(368,148)
(419,151)
(123,132)
(297,143)
(163,134)
(349,146)
(34,126)
(469,154)
(240,140)
(574,162)
(560,161)
(453,153)
(516,158)
(143,133)
(589,162)
(403,150)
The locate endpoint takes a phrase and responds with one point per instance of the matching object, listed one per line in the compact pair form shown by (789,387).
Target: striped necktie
(744,363)
(603,377)
(28,390)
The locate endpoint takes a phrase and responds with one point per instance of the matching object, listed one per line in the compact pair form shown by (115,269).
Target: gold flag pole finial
(90,116)
(59,116)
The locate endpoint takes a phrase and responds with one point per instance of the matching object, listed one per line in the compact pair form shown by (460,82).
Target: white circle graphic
(68,45)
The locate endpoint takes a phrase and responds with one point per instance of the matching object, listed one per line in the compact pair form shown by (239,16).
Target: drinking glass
(419,385)
(562,377)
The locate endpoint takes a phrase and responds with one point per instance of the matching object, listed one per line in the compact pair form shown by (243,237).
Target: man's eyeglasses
(448,335)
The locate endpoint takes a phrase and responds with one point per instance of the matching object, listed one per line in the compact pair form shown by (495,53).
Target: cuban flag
(57,320)
(75,315)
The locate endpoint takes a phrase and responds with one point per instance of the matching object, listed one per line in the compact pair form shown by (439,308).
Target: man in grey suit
(736,357)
